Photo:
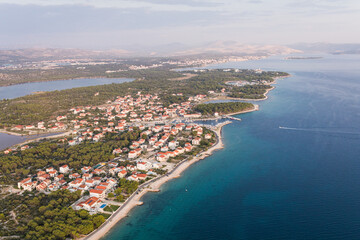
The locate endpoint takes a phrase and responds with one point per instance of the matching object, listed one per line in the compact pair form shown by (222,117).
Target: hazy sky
(123,23)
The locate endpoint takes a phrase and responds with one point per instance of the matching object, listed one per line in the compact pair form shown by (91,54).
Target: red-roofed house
(122,173)
(26,180)
(97,193)
(141,176)
(64,169)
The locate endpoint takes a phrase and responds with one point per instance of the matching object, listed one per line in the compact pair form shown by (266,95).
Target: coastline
(153,186)
(12,133)
(150,186)
(256,108)
(240,99)
(60,134)
(29,134)
(52,80)
(63,134)
(247,99)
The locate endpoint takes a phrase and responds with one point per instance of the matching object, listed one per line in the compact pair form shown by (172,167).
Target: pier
(232,118)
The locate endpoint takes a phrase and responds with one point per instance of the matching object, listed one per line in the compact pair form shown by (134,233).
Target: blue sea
(300,181)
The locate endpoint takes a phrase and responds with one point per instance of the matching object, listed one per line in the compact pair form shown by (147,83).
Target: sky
(109,24)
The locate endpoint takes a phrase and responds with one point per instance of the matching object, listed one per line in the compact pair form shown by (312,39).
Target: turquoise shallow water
(296,182)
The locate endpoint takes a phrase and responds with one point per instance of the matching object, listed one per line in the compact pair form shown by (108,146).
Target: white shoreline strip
(152,186)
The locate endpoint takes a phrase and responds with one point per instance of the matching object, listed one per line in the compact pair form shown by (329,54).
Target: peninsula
(121,141)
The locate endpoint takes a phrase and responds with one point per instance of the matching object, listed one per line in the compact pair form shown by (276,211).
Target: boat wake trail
(323,130)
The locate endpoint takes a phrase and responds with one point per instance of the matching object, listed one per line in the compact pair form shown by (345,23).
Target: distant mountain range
(331,48)
(215,48)
(218,48)
(28,54)
(235,48)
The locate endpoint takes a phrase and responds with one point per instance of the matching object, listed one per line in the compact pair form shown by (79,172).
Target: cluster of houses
(98,180)
(128,109)
(115,116)
(101,179)
(157,142)
(160,141)
(53,126)
(206,61)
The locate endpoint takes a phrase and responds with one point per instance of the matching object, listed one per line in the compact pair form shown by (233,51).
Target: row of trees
(125,189)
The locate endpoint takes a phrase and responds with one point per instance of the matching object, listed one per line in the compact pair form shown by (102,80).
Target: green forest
(225,108)
(45,217)
(249,91)
(17,166)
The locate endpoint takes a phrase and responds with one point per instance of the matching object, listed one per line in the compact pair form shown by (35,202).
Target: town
(161,145)
(96,158)
(126,111)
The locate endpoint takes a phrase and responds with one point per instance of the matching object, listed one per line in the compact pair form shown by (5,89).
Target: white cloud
(171,5)
(160,21)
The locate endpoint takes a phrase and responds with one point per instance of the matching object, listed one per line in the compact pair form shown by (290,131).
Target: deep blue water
(272,183)
(20,90)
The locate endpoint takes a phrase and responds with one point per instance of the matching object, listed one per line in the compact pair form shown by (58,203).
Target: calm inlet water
(20,90)
(7,140)
(296,182)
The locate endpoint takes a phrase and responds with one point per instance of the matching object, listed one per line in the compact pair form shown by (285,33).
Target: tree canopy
(227,107)
(44,217)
